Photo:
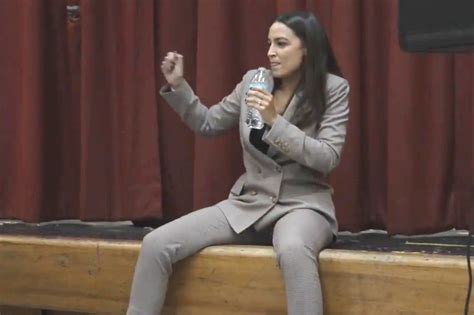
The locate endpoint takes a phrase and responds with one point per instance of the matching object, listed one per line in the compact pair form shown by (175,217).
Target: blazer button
(278,169)
(273,199)
(253,193)
(259,170)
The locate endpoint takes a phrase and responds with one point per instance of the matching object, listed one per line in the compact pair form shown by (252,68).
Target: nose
(271,51)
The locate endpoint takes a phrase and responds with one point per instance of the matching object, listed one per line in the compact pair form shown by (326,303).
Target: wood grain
(12,310)
(92,276)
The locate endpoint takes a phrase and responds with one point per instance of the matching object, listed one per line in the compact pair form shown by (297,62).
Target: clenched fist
(172,68)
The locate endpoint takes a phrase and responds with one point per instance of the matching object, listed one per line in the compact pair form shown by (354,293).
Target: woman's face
(285,52)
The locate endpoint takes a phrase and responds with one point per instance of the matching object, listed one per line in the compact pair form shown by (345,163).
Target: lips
(274,64)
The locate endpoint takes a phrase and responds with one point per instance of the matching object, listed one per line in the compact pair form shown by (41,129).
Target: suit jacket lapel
(288,114)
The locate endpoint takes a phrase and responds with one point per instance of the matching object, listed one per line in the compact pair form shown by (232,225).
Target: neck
(290,83)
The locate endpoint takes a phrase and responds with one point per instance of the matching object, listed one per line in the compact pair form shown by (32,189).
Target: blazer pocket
(238,186)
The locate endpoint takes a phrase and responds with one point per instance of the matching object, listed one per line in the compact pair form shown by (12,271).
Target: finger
(262,104)
(251,100)
(176,56)
(256,106)
(179,60)
(166,66)
(259,94)
(165,69)
(260,91)
(256,102)
(169,59)
(166,62)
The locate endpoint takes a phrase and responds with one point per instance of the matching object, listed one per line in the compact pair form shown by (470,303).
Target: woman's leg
(298,237)
(170,243)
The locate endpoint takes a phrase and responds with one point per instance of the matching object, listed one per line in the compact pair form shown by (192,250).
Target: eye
(281,44)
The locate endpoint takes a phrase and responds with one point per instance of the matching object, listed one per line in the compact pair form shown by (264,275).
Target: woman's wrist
(176,84)
(272,121)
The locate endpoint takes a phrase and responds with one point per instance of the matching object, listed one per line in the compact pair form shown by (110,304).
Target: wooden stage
(90,272)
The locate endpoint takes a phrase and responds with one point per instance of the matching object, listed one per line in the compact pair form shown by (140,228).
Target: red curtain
(84,133)
(79,132)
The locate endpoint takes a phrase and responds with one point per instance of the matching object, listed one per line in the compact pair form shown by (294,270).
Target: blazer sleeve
(323,152)
(205,121)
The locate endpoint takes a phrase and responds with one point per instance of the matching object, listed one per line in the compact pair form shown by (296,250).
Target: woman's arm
(201,119)
(323,152)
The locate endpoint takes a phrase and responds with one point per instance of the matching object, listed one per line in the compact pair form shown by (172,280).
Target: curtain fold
(84,133)
(79,120)
(175,30)
(32,64)
(119,158)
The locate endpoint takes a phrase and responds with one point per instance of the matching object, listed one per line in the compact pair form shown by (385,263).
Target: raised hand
(172,68)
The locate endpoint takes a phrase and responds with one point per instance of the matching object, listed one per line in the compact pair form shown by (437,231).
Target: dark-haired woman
(283,191)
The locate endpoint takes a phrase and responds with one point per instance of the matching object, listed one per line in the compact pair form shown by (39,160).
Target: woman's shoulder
(336,86)
(335,82)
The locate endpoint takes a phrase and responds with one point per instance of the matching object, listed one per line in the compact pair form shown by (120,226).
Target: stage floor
(452,242)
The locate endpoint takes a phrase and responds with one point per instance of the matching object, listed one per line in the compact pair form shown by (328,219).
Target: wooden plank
(393,283)
(12,310)
(229,280)
(49,312)
(94,276)
(65,274)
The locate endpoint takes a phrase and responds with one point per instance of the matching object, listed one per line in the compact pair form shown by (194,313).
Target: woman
(283,190)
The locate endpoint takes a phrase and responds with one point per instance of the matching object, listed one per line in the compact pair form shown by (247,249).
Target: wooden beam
(12,310)
(93,276)
(87,276)
(228,280)
(394,283)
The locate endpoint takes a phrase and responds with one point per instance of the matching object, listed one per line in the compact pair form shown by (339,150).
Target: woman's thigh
(302,227)
(194,231)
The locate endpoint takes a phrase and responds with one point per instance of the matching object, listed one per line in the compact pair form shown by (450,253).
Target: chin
(277,74)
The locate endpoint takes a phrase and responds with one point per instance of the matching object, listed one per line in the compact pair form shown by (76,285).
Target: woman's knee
(293,249)
(301,235)
(158,246)
(151,241)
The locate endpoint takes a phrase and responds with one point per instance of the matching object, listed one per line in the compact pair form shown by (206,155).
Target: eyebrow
(279,38)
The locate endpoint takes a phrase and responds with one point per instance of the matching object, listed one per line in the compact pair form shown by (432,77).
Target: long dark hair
(318,62)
